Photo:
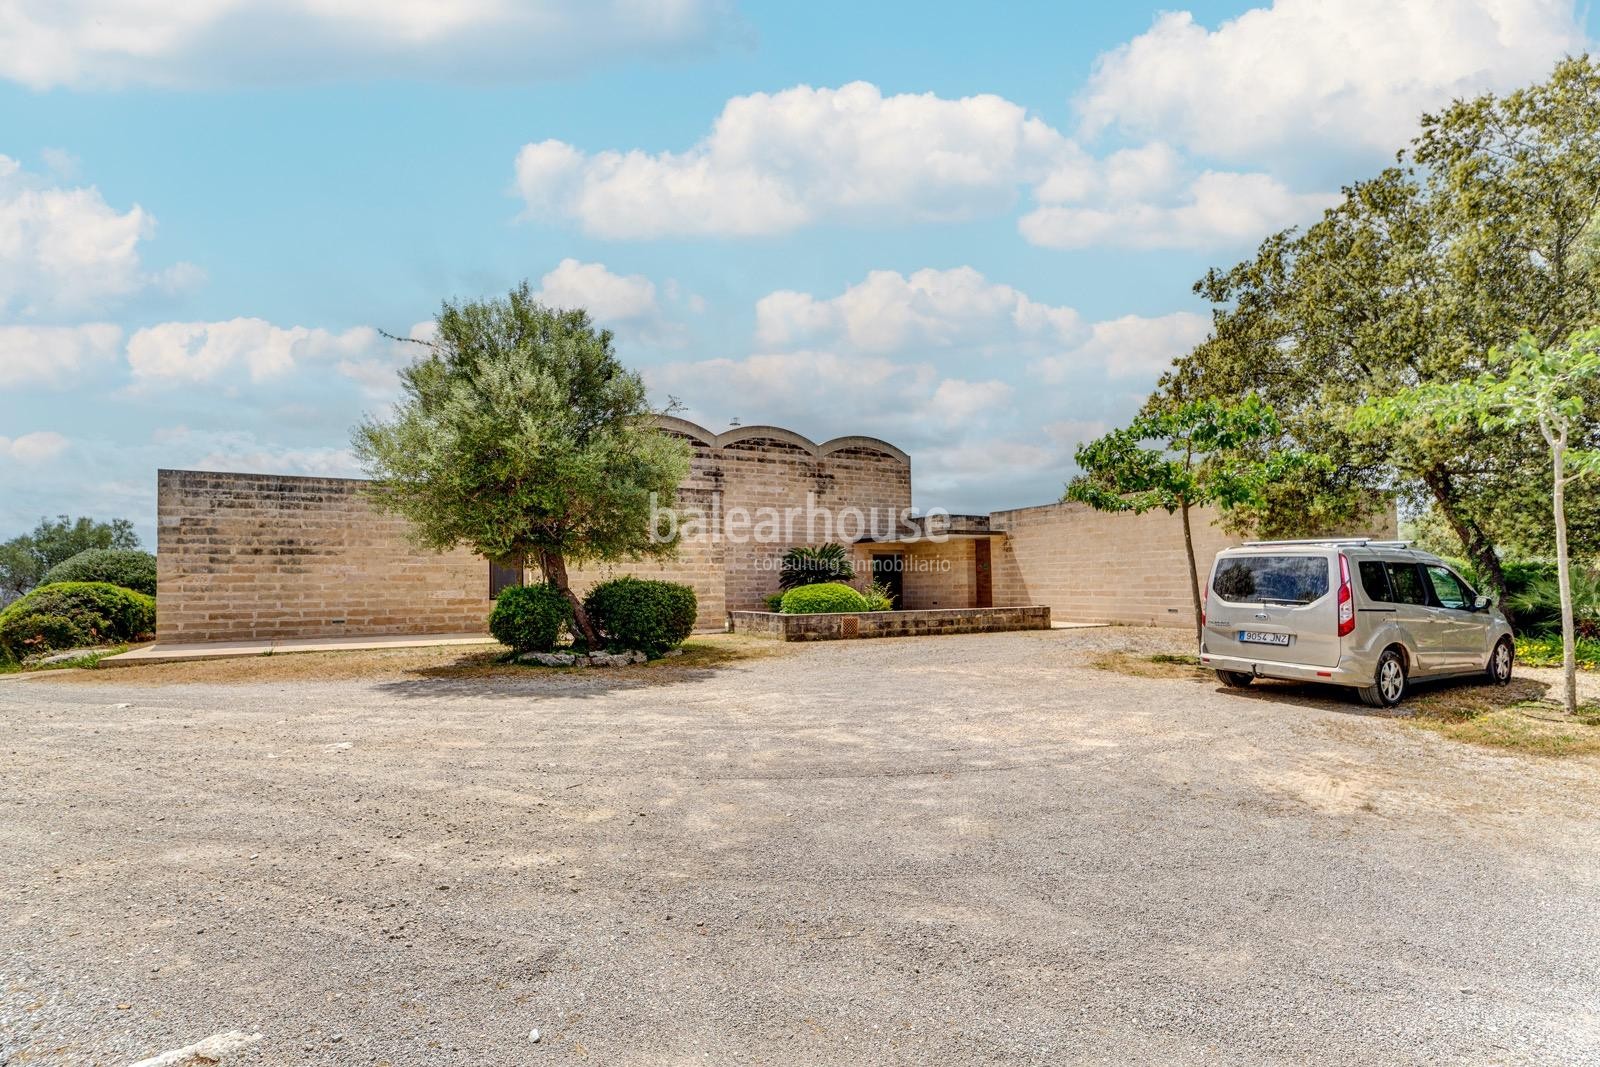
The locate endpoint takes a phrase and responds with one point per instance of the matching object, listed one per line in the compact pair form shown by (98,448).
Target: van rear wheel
(1236,679)
(1500,660)
(1388,682)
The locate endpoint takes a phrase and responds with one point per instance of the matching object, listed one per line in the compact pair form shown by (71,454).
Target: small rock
(548,659)
(672,652)
(533,1035)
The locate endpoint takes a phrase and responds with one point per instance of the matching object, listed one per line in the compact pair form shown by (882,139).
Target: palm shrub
(877,597)
(804,565)
(1537,605)
(642,614)
(127,567)
(529,618)
(74,615)
(824,598)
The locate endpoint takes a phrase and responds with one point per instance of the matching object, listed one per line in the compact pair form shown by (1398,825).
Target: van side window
(1447,589)
(1406,580)
(1375,580)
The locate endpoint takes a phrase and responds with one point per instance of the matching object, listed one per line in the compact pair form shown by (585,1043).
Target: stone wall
(844,625)
(255,556)
(1094,566)
(249,556)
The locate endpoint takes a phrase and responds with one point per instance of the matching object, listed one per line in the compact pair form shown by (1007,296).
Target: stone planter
(844,625)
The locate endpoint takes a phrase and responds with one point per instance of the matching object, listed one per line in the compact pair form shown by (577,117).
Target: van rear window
(1274,579)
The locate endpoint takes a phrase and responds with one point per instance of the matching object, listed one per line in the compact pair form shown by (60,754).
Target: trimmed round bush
(74,615)
(641,614)
(775,602)
(127,567)
(824,599)
(529,617)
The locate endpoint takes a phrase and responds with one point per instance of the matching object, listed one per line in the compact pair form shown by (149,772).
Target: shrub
(529,617)
(775,602)
(127,567)
(814,566)
(826,598)
(640,614)
(1537,605)
(73,615)
(878,598)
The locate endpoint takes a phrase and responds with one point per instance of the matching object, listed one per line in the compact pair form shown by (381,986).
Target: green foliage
(25,559)
(878,597)
(813,566)
(127,567)
(522,434)
(1544,650)
(1537,604)
(775,601)
(1198,457)
(72,615)
(642,615)
(528,618)
(1487,227)
(824,598)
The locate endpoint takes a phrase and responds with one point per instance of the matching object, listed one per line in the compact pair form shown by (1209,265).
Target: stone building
(257,556)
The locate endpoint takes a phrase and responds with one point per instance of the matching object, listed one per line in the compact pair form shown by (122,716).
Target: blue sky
(966,229)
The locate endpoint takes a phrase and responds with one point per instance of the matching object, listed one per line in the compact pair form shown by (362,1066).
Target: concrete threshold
(164,653)
(1078,625)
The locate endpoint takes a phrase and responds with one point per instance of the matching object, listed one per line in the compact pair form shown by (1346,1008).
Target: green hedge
(642,615)
(826,598)
(74,615)
(127,567)
(529,618)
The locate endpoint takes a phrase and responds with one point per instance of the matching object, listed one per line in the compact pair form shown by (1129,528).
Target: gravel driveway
(956,850)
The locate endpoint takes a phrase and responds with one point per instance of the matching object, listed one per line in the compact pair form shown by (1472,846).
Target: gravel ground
(962,849)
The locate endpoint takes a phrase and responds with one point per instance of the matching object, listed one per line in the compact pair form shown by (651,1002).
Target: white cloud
(608,297)
(890,312)
(66,250)
(32,447)
(242,451)
(1132,346)
(56,356)
(776,161)
(176,352)
(1303,73)
(111,43)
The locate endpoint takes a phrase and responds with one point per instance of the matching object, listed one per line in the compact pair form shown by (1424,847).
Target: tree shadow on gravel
(486,675)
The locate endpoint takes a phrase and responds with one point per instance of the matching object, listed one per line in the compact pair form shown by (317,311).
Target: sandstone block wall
(846,625)
(1094,566)
(255,556)
(250,556)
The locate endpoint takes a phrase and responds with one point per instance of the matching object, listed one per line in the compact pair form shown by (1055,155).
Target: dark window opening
(1272,579)
(503,574)
(1375,580)
(1406,580)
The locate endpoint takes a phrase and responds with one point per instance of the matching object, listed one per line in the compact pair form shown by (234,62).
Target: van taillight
(1205,598)
(1347,601)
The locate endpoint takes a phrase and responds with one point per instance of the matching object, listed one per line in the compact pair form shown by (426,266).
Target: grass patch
(88,659)
(1152,665)
(1516,717)
(1544,650)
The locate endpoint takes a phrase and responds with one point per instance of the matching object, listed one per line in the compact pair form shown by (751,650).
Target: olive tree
(521,435)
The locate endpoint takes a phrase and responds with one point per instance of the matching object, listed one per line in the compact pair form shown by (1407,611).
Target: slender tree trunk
(1194,575)
(555,572)
(1569,651)
(1478,546)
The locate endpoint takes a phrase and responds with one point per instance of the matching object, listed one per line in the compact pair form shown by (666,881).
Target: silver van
(1362,613)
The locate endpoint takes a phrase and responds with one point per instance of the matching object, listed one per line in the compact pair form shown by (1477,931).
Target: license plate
(1259,638)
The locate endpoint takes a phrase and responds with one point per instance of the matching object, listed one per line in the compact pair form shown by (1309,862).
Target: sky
(969,229)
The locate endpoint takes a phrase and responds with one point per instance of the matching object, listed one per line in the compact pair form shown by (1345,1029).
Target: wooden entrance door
(983,592)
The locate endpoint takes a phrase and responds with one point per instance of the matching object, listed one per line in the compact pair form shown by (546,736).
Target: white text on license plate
(1259,638)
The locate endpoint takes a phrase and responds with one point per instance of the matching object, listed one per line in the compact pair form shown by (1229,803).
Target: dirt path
(969,850)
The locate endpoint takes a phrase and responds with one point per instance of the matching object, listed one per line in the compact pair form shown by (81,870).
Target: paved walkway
(224,649)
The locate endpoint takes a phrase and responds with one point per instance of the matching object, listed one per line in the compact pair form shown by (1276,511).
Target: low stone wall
(836,626)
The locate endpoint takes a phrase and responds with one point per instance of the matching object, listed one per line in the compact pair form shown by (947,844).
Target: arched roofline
(699,433)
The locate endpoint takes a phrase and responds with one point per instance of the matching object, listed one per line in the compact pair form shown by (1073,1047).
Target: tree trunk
(1569,650)
(1194,576)
(1478,546)
(555,572)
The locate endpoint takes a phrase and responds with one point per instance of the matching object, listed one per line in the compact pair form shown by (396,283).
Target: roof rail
(1332,541)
